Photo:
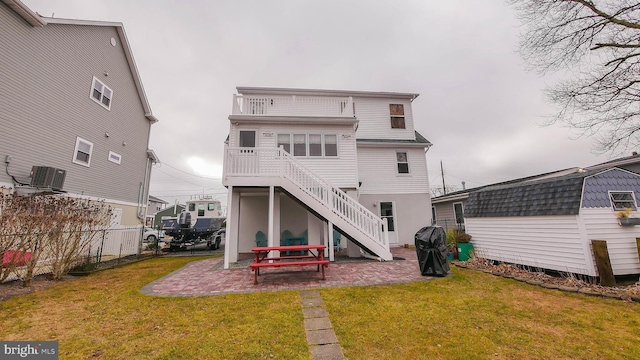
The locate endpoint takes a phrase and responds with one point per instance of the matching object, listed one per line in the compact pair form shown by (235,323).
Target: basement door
(387,211)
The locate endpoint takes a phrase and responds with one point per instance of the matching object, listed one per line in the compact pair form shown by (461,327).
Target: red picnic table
(309,255)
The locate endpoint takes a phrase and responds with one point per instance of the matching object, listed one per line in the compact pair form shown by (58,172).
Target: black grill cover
(431,248)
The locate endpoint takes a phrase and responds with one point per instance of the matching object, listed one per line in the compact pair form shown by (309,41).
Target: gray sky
(478,105)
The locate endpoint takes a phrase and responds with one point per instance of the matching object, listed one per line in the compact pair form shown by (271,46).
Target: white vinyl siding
(601,224)
(378,172)
(374,119)
(550,242)
(340,170)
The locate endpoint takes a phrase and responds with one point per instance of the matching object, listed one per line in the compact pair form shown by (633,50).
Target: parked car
(150,235)
(214,242)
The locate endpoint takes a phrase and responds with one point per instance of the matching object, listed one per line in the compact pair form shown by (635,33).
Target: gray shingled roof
(555,196)
(419,140)
(596,187)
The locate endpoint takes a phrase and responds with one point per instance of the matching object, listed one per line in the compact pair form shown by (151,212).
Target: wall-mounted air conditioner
(47,177)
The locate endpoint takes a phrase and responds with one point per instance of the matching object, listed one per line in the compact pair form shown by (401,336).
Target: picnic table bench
(308,257)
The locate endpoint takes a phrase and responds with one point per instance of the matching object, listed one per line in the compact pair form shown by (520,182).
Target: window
(200,209)
(113,157)
(622,199)
(397,116)
(192,207)
(299,145)
(386,212)
(247,138)
(101,93)
(459,213)
(211,206)
(403,163)
(284,140)
(82,152)
(315,145)
(330,145)
(312,145)
(433,215)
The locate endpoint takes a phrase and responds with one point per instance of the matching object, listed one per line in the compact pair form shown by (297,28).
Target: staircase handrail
(338,201)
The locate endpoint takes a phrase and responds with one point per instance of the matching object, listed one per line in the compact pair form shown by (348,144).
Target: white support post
(231,235)
(270,236)
(330,237)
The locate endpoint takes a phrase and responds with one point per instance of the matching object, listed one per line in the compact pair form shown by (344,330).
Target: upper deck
(292,105)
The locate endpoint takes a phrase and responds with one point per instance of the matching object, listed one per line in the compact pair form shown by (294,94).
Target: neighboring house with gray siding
(154,205)
(550,223)
(72,103)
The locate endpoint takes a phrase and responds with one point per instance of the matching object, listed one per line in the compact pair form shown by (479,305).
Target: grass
(470,315)
(473,315)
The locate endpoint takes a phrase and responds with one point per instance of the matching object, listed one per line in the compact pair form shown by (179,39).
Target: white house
(306,162)
(550,222)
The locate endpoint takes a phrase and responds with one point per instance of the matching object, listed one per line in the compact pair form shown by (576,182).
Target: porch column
(270,241)
(233,221)
(330,242)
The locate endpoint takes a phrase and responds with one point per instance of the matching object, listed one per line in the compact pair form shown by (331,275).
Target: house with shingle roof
(549,223)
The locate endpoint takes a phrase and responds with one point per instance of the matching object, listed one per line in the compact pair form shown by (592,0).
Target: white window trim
(394,212)
(403,116)
(398,173)
(307,151)
(111,153)
(75,152)
(633,195)
(99,101)
(455,218)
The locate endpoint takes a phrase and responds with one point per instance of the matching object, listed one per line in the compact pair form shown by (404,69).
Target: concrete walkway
(207,277)
(323,342)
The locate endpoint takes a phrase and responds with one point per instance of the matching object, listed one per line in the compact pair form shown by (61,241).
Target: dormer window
(397,116)
(101,93)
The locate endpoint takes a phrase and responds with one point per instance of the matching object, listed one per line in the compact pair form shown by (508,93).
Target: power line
(190,174)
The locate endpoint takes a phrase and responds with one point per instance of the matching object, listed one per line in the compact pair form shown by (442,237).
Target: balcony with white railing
(294,105)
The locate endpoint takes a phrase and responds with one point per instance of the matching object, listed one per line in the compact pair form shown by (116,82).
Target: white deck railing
(292,106)
(270,162)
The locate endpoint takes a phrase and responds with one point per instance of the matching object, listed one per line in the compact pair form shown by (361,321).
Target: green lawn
(469,315)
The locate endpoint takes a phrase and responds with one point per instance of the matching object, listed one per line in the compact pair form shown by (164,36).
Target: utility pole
(444,187)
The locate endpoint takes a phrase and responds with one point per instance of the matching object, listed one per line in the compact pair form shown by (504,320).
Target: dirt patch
(564,282)
(14,288)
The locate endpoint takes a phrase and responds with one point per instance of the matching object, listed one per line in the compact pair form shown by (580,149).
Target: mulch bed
(563,282)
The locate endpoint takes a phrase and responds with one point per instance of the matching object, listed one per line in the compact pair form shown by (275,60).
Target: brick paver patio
(207,277)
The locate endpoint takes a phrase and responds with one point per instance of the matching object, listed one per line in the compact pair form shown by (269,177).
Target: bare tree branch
(596,42)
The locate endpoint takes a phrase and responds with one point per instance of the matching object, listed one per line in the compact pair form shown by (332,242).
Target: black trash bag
(431,248)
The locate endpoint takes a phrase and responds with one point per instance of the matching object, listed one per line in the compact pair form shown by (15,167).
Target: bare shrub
(47,229)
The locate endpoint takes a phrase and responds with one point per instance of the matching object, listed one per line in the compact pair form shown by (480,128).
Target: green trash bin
(465,250)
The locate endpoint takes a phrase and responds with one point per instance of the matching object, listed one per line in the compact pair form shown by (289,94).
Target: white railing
(292,106)
(271,162)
